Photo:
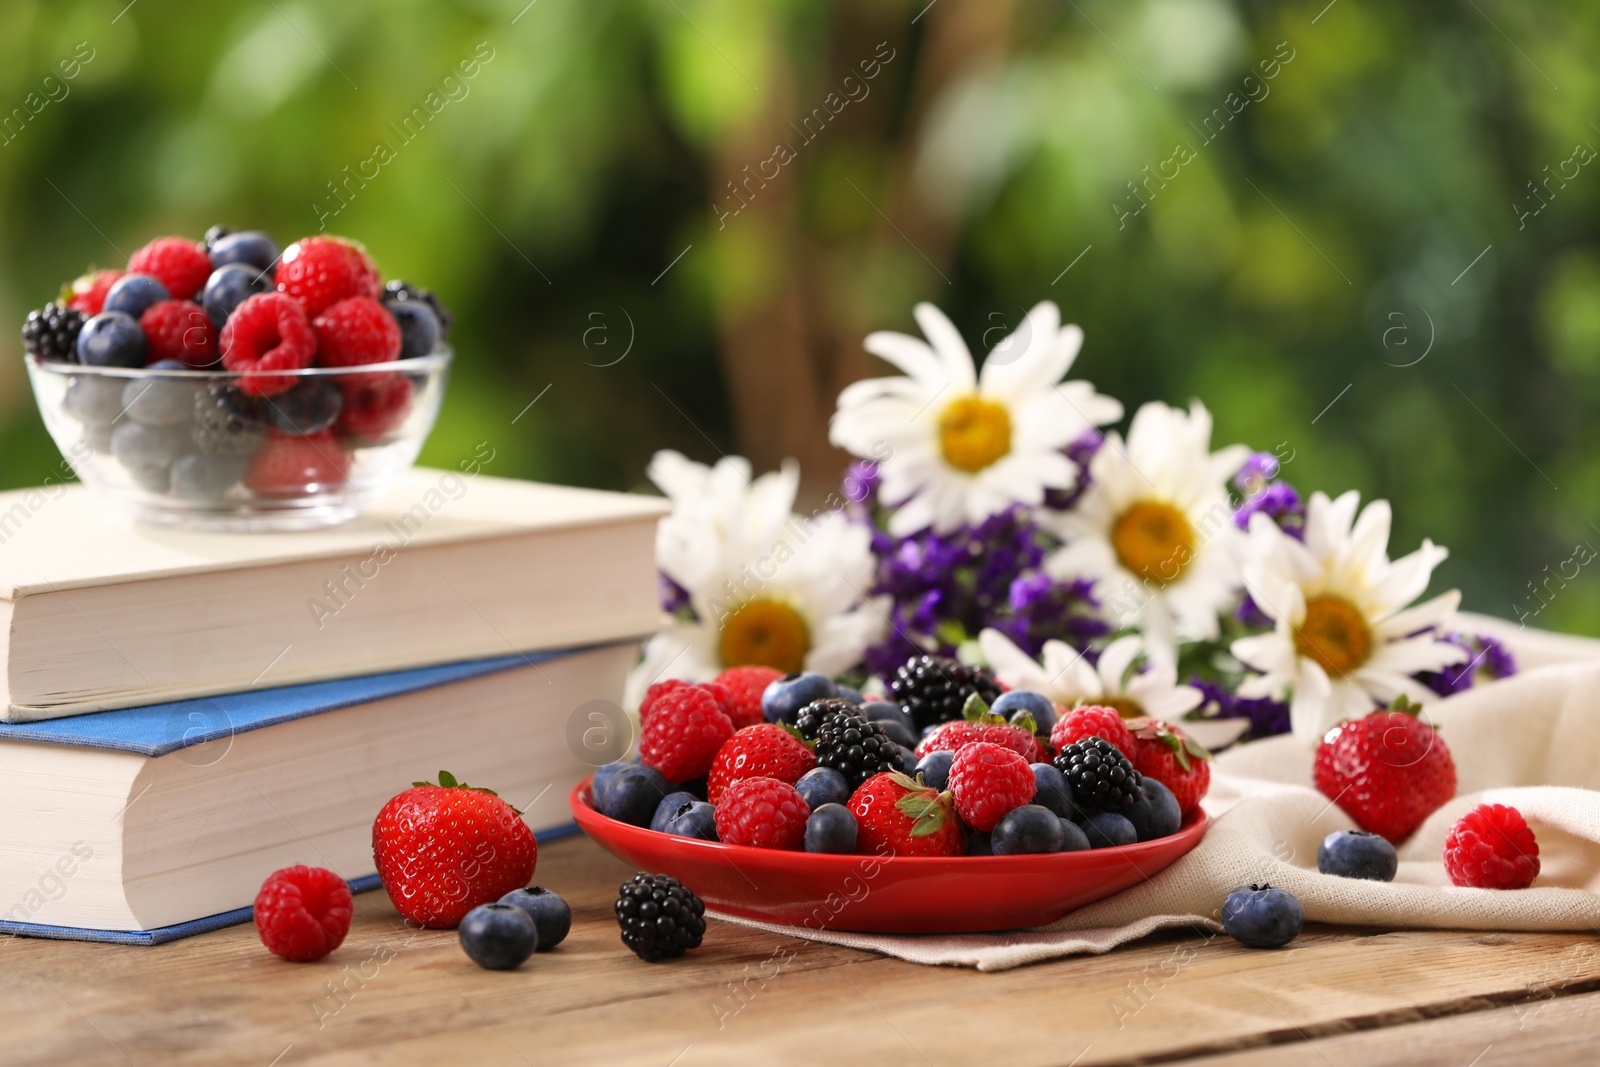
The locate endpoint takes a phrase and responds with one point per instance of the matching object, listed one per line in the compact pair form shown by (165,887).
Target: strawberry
(981,724)
(1092,720)
(744,686)
(1164,752)
(765,750)
(987,781)
(1388,771)
(897,815)
(88,293)
(292,465)
(443,849)
(683,732)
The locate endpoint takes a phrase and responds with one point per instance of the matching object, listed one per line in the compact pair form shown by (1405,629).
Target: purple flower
(1489,660)
(1250,614)
(1042,609)
(1080,452)
(1257,471)
(1280,503)
(674,597)
(1267,716)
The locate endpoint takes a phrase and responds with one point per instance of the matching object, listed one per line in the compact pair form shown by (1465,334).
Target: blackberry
(660,917)
(856,746)
(1099,776)
(215,234)
(51,332)
(933,689)
(814,714)
(226,421)
(397,291)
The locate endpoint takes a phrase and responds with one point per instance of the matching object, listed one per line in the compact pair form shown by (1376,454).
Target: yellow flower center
(1127,707)
(1335,636)
(1154,541)
(973,433)
(765,633)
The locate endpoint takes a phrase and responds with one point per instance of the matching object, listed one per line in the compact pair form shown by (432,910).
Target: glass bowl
(210,449)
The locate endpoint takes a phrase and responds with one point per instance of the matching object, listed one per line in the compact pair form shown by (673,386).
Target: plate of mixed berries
(949,806)
(224,383)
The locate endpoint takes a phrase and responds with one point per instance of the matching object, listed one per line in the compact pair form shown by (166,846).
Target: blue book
(144,825)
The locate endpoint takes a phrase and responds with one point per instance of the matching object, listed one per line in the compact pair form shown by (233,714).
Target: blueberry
(669,807)
(823,785)
(908,760)
(694,819)
(935,769)
(1041,707)
(899,731)
(1262,917)
(133,294)
(1107,829)
(1156,814)
(419,327)
(151,477)
(1050,790)
(831,828)
(633,794)
(1072,838)
(1357,854)
(603,776)
(160,401)
(203,478)
(1029,828)
(249,247)
(97,435)
(498,937)
(92,398)
(850,693)
(230,286)
(307,408)
(111,339)
(980,843)
(136,444)
(551,916)
(784,697)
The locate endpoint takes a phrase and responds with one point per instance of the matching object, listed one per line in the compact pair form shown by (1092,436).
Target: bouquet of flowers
(996,517)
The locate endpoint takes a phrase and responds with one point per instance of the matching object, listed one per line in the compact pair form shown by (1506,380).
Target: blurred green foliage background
(1379,251)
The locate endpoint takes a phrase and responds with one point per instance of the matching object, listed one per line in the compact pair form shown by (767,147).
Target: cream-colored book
(146,819)
(98,611)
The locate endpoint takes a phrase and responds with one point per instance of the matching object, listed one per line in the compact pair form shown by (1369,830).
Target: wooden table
(395,995)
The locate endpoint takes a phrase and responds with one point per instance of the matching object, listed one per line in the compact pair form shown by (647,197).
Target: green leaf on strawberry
(448,781)
(1182,747)
(927,810)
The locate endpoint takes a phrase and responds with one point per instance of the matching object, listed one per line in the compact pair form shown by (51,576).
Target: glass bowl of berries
(221,385)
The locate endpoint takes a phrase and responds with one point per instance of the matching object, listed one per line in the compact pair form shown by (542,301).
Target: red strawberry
(176,262)
(374,404)
(765,750)
(88,293)
(988,780)
(685,729)
(954,736)
(1164,752)
(1491,847)
(762,813)
(321,271)
(1092,720)
(291,465)
(744,686)
(444,849)
(1388,771)
(897,816)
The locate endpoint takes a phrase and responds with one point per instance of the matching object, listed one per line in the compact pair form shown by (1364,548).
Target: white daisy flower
(966,445)
(1154,529)
(767,586)
(1067,677)
(1345,639)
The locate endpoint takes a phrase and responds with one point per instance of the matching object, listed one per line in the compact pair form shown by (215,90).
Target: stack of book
(184,713)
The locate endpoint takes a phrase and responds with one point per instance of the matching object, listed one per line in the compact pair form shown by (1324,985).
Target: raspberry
(180,330)
(302,913)
(681,738)
(762,813)
(268,332)
(988,780)
(355,331)
(765,750)
(1491,847)
(290,465)
(176,262)
(656,691)
(374,404)
(744,686)
(88,293)
(1093,720)
(954,736)
(321,271)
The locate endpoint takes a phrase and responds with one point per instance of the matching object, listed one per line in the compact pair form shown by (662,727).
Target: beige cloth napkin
(1531,741)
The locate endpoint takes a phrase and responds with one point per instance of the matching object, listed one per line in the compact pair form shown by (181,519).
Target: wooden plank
(396,995)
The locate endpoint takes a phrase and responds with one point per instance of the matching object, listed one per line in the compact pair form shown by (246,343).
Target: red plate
(894,894)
